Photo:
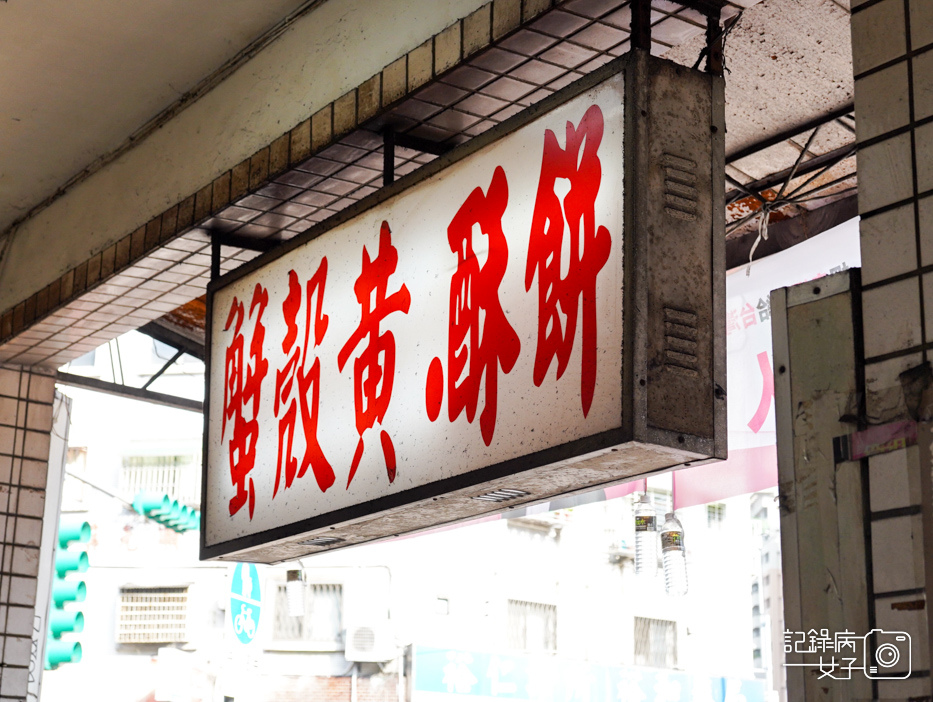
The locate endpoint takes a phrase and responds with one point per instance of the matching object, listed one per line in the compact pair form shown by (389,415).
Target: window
(715,514)
(754,589)
(152,615)
(175,476)
(322,620)
(532,626)
(661,499)
(655,642)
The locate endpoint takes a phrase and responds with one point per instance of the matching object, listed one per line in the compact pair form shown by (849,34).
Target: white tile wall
(923,82)
(891,317)
(894,479)
(878,35)
(894,614)
(897,553)
(925,157)
(884,398)
(882,178)
(921,23)
(26,397)
(889,244)
(893,80)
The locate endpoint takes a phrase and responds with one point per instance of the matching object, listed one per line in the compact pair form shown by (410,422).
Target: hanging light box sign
(536,313)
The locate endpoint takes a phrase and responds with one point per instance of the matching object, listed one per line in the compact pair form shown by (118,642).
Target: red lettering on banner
(587,246)
(242,387)
(767,393)
(308,381)
(748,316)
(374,367)
(479,337)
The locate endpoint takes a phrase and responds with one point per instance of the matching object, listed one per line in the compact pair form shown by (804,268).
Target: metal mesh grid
(152,615)
(552,51)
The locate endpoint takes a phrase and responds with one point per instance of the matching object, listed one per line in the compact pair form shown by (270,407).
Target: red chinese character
(242,387)
(748,316)
(732,321)
(767,393)
(374,367)
(308,382)
(475,348)
(586,246)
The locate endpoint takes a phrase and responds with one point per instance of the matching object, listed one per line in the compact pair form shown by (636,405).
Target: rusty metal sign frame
(674,360)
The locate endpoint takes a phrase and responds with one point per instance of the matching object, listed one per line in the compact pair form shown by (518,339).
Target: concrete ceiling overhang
(474,74)
(81,81)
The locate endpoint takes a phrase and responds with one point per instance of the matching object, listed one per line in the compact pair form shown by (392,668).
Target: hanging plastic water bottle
(646,537)
(675,561)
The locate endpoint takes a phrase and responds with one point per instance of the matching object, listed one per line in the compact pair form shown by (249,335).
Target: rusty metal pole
(641,24)
(715,62)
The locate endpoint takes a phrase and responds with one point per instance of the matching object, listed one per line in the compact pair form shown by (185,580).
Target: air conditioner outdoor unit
(371,643)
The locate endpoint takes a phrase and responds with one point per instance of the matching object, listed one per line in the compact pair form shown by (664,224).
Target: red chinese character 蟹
(564,224)
(306,397)
(374,366)
(242,388)
(479,337)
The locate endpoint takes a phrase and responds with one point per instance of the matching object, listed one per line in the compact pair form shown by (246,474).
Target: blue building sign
(444,675)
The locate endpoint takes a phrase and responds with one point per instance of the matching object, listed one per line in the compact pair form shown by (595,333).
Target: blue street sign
(245,601)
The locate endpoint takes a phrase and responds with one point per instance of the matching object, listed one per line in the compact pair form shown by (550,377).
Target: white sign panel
(472,319)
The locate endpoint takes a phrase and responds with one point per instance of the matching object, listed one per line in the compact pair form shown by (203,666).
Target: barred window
(715,514)
(661,500)
(152,615)
(175,476)
(322,620)
(532,626)
(655,642)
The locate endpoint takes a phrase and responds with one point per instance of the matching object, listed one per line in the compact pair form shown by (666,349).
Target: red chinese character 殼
(476,348)
(374,367)
(242,387)
(302,369)
(567,225)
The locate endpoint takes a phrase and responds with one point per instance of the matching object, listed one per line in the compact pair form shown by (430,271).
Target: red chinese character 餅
(242,388)
(298,383)
(564,225)
(374,366)
(479,337)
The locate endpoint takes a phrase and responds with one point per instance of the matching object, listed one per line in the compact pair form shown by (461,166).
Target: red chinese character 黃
(374,367)
(564,223)
(242,386)
(298,384)
(479,337)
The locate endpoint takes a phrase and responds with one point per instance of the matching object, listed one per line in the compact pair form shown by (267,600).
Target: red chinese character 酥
(374,367)
(242,387)
(568,225)
(476,347)
(308,381)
